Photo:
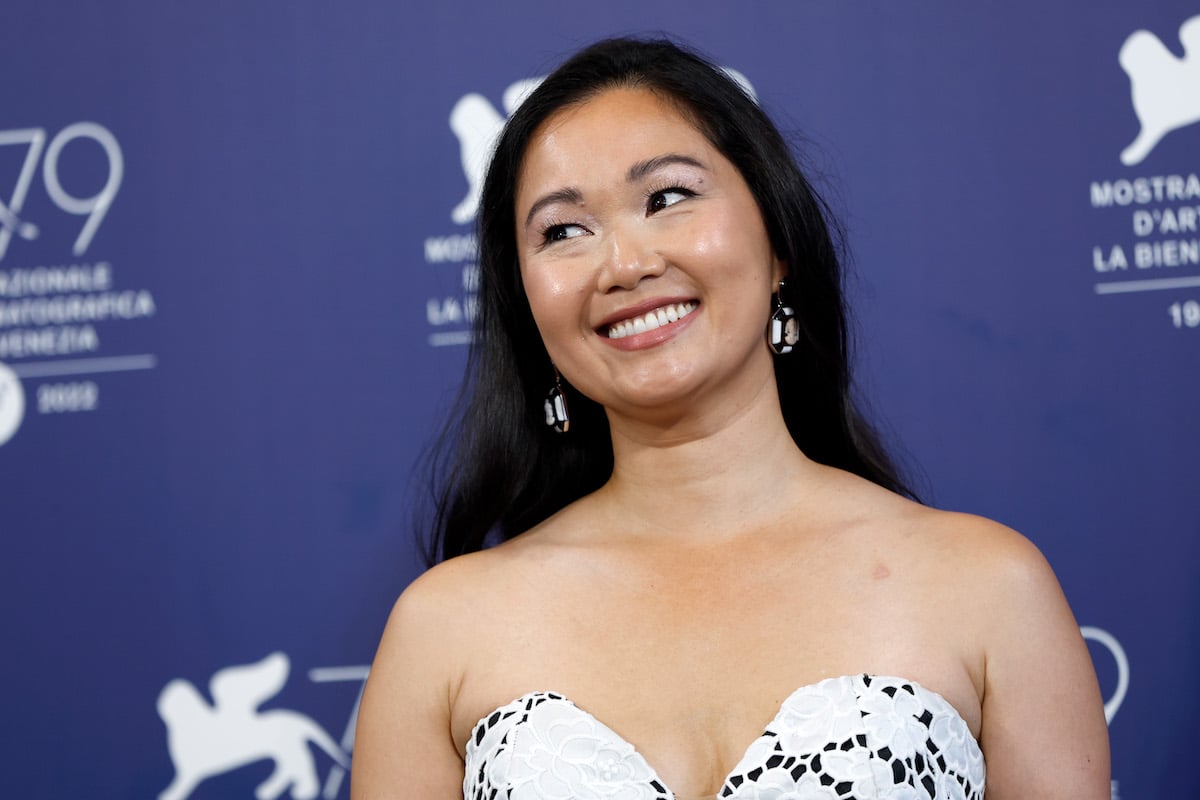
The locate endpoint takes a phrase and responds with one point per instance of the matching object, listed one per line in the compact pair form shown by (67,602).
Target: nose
(627,257)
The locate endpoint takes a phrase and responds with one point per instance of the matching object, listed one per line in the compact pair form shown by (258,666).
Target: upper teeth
(654,319)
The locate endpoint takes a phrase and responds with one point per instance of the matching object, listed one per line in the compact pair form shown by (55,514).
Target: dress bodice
(856,737)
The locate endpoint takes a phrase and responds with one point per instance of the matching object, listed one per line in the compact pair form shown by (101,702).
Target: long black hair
(499,470)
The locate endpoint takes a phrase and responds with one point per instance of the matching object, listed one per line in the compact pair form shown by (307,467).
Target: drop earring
(783,330)
(556,407)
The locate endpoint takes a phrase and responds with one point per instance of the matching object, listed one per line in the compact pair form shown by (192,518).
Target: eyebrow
(643,168)
(568,195)
(636,173)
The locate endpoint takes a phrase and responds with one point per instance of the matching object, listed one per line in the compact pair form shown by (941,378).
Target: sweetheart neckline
(559,697)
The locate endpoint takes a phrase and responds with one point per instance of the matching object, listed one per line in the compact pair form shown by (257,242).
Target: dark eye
(558,233)
(666,198)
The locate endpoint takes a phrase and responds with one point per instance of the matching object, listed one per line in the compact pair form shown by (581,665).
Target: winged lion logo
(206,740)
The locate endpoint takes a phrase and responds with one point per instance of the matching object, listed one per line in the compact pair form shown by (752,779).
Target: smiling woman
(633,213)
(714,584)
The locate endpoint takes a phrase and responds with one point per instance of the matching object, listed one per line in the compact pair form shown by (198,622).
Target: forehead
(606,133)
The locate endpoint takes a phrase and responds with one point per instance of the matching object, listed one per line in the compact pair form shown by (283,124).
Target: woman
(717,542)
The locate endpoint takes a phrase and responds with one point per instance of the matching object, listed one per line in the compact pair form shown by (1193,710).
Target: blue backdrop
(236,274)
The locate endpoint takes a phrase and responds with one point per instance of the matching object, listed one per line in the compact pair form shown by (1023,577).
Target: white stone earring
(556,407)
(783,330)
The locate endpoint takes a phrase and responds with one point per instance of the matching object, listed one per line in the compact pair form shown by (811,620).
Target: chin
(658,396)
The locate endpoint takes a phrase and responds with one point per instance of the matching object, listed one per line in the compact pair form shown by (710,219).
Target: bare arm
(1044,734)
(403,746)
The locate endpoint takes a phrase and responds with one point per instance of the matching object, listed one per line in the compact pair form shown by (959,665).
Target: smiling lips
(656,318)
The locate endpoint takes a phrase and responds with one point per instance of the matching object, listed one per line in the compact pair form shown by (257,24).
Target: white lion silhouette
(1166,89)
(206,740)
(477,124)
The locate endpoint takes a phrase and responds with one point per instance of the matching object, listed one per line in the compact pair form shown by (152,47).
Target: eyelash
(661,190)
(552,229)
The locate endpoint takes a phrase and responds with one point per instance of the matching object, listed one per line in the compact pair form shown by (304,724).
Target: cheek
(549,284)
(554,298)
(732,250)
(730,235)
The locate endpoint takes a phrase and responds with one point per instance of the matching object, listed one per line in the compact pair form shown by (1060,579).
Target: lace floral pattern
(858,737)
(542,747)
(861,738)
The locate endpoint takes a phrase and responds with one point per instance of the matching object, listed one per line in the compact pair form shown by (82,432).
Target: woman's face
(644,257)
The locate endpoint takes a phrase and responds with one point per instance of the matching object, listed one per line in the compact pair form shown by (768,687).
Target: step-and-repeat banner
(237,273)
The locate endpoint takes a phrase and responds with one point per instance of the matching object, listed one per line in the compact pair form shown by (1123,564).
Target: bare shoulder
(445,610)
(1043,730)
(404,745)
(985,554)
(990,554)
(993,576)
(972,550)
(446,588)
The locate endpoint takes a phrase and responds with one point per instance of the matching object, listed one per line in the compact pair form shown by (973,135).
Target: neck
(706,476)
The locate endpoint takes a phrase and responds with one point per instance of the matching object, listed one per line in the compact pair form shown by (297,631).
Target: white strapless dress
(857,737)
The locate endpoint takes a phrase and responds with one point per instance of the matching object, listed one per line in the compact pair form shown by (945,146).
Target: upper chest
(689,655)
